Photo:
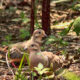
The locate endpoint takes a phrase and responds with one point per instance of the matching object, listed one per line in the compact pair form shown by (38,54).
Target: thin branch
(9,65)
(1,61)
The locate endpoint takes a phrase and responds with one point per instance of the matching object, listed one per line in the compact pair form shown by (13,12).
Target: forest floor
(61,15)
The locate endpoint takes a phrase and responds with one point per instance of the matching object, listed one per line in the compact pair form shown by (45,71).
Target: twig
(1,61)
(9,65)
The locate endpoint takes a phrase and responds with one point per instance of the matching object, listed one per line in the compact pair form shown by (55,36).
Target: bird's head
(32,48)
(39,35)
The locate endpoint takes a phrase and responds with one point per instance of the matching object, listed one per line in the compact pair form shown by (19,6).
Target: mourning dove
(37,37)
(36,56)
(16,51)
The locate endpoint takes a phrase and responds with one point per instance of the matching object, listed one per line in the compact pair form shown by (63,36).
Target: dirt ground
(59,13)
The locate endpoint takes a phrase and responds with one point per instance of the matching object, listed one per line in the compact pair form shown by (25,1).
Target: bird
(46,58)
(17,50)
(36,37)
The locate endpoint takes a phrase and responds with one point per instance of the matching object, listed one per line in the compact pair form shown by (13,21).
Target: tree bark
(46,16)
(32,16)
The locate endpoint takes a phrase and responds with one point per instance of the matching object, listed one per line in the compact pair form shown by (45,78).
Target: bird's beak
(25,48)
(45,36)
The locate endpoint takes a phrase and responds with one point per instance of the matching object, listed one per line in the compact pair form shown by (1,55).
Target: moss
(76,7)
(71,76)
(76,25)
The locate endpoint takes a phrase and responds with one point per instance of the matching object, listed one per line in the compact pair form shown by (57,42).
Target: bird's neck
(34,52)
(36,40)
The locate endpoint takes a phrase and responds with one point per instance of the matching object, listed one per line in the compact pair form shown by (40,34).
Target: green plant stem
(20,66)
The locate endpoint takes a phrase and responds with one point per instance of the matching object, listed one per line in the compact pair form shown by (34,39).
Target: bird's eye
(32,45)
(39,32)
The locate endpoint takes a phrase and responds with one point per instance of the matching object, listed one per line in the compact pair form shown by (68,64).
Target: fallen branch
(9,65)
(1,61)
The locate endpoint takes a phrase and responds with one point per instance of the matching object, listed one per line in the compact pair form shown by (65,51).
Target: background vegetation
(61,21)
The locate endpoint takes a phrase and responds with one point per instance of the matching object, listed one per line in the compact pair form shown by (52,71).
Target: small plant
(76,7)
(41,70)
(53,39)
(71,76)
(24,33)
(8,40)
(66,30)
(64,52)
(79,50)
(76,25)
(22,18)
(19,74)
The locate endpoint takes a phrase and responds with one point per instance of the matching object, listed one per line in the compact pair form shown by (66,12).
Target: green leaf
(37,25)
(64,43)
(63,52)
(40,66)
(71,76)
(20,76)
(76,7)
(34,74)
(51,39)
(66,30)
(22,15)
(23,36)
(12,9)
(17,19)
(79,50)
(25,20)
(45,70)
(27,57)
(24,33)
(9,53)
(77,30)
(37,69)
(76,25)
(8,37)
(41,70)
(20,66)
(38,53)
(50,76)
(51,66)
(4,43)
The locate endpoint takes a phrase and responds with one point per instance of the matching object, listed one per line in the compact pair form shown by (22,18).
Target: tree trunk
(46,16)
(32,16)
